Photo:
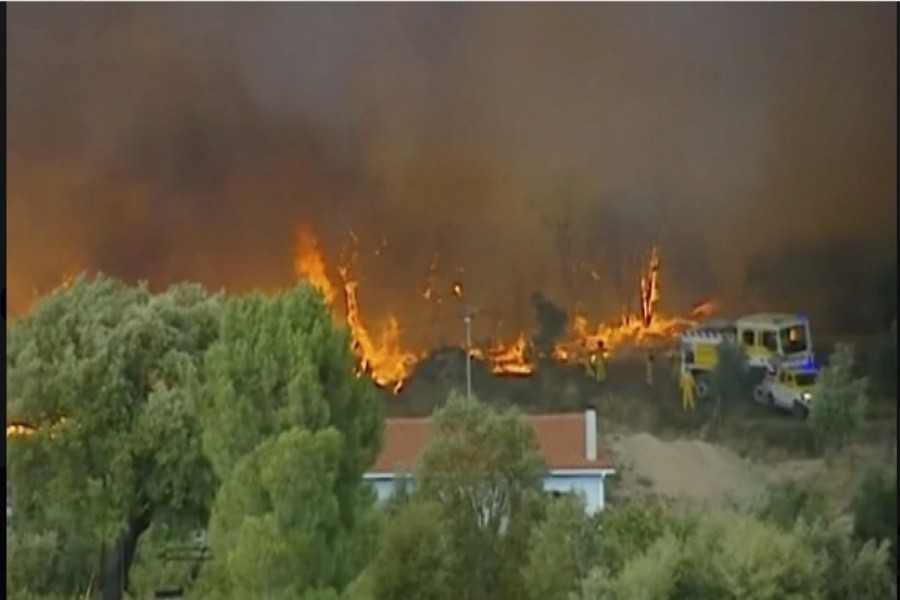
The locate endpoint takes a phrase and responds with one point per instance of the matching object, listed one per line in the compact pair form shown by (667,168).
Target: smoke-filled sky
(170,142)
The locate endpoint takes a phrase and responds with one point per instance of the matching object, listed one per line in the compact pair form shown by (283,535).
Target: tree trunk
(115,562)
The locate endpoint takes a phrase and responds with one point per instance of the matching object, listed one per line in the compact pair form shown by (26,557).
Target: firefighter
(589,360)
(594,364)
(688,386)
(649,374)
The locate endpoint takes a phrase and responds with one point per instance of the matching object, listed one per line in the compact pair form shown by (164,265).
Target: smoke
(528,146)
(551,324)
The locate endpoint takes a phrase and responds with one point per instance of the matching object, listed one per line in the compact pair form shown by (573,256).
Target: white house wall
(384,488)
(589,486)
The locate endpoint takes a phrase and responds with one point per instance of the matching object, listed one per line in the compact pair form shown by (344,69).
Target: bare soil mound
(684,469)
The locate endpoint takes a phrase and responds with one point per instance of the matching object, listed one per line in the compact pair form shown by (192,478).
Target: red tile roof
(560,438)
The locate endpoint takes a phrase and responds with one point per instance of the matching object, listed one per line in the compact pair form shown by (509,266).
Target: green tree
(289,429)
(563,548)
(482,471)
(839,401)
(98,370)
(628,530)
(875,508)
(410,561)
(276,529)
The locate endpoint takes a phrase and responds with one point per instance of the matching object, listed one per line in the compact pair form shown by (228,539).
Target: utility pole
(468,321)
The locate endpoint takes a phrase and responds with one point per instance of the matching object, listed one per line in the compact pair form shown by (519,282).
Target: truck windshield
(805,379)
(793,339)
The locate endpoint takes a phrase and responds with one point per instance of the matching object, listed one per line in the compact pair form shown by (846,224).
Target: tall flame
(386,362)
(650,288)
(308,264)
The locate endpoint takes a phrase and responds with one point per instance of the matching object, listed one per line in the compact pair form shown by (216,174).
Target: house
(567,441)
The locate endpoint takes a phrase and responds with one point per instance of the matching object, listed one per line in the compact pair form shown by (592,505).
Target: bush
(786,503)
(727,555)
(846,569)
(875,509)
(839,401)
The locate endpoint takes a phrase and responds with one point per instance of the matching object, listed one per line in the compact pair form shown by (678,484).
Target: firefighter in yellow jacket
(599,356)
(595,364)
(688,385)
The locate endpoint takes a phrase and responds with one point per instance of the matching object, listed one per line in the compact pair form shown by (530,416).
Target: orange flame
(386,362)
(17,430)
(390,364)
(650,288)
(308,263)
(648,327)
(703,309)
(512,359)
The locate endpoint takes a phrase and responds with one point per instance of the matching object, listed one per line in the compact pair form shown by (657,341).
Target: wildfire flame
(650,288)
(14,430)
(511,359)
(390,364)
(386,362)
(308,263)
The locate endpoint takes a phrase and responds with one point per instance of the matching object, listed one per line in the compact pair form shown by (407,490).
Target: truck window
(747,338)
(770,341)
(793,339)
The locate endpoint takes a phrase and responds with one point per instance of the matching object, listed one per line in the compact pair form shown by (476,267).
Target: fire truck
(771,342)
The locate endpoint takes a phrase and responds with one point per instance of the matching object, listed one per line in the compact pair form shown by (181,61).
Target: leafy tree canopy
(98,370)
(480,479)
(290,430)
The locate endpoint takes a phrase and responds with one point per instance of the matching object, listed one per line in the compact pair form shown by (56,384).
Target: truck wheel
(702,388)
(801,411)
(759,393)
